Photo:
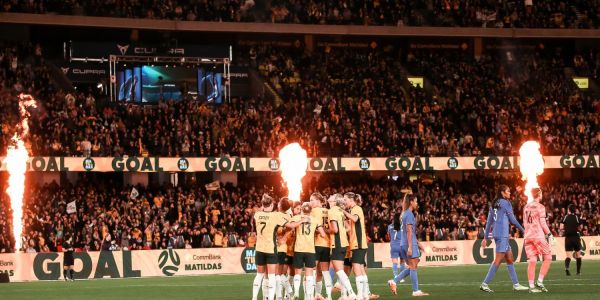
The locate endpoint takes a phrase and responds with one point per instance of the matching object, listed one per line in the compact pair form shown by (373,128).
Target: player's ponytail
(397,221)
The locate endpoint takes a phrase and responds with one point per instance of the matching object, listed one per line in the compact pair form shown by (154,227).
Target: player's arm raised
(297,223)
(353,218)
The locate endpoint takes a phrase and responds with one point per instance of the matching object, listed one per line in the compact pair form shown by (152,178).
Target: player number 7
(263,225)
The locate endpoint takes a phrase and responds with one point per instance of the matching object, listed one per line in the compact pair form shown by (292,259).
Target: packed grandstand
(335,101)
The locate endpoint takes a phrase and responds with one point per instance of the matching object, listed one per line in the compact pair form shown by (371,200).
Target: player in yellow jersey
(359,202)
(283,236)
(322,245)
(339,240)
(304,252)
(266,223)
(358,243)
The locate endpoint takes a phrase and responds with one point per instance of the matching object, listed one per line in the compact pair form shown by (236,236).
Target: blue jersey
(408,218)
(395,235)
(499,219)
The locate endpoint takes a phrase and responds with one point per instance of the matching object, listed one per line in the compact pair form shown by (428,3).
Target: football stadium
(301,149)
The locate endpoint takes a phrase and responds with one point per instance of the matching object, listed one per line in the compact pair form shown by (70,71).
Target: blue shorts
(415,252)
(395,251)
(502,245)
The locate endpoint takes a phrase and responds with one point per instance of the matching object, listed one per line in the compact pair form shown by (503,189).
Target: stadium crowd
(111,218)
(503,14)
(336,102)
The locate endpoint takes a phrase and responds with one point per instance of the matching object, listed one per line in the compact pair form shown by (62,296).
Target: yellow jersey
(267,224)
(305,235)
(339,239)
(281,241)
(358,235)
(320,215)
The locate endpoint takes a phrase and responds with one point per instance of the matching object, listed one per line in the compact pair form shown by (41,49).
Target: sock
(359,286)
(278,286)
(297,281)
(309,287)
(319,287)
(531,273)
(265,287)
(403,274)
(71,272)
(328,285)
(366,289)
(490,274)
(395,269)
(578,264)
(256,285)
(415,280)
(345,282)
(402,268)
(272,285)
(65,274)
(288,286)
(544,269)
(567,263)
(512,274)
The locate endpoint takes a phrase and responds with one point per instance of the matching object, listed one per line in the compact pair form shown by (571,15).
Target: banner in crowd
(83,50)
(84,72)
(207,261)
(317,164)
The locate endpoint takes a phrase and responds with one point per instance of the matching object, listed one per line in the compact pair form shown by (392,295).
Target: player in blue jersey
(395,239)
(410,248)
(395,233)
(498,221)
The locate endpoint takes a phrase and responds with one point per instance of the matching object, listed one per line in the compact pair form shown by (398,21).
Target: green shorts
(302,259)
(359,256)
(338,254)
(262,258)
(323,254)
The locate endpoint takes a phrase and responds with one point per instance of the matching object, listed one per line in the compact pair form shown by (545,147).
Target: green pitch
(456,283)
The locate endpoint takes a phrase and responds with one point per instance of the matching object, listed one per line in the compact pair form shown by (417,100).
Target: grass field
(455,283)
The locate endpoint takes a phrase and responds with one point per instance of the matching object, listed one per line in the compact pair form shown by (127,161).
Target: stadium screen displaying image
(146,84)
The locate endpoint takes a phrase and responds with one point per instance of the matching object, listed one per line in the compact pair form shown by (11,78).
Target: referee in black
(68,261)
(570,226)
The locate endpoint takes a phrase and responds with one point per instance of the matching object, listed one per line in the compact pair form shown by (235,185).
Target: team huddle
(328,243)
(309,237)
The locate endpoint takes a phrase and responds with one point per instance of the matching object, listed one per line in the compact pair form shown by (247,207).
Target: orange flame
(531,165)
(16,165)
(293,162)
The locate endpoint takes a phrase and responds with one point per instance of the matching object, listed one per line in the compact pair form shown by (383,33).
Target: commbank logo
(123,48)
(172,257)
(65,70)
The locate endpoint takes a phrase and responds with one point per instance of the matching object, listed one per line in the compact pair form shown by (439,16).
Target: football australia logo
(168,262)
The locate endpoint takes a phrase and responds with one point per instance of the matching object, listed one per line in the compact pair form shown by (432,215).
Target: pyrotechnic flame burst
(16,165)
(532,165)
(293,164)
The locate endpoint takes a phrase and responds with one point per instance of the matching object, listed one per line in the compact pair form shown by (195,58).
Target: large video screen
(148,84)
(210,86)
(129,88)
(170,83)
